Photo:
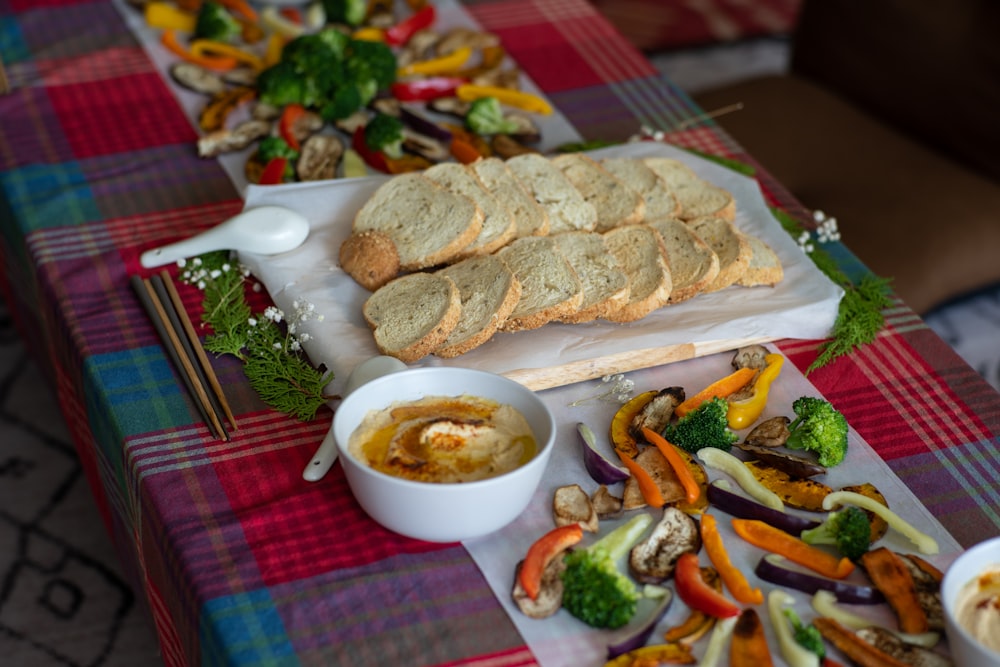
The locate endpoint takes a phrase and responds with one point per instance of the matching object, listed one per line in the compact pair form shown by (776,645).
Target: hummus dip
(444,439)
(977,608)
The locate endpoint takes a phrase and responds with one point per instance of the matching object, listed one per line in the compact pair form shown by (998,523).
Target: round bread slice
(550,288)
(731,246)
(605,284)
(615,201)
(529,216)
(693,265)
(428,224)
(639,251)
(697,196)
(489,291)
(659,198)
(764,267)
(413,315)
(568,210)
(499,225)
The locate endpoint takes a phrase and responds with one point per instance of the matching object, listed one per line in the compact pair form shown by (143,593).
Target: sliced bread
(693,264)
(489,291)
(413,315)
(550,288)
(731,246)
(567,209)
(498,222)
(697,196)
(616,202)
(659,198)
(428,224)
(764,267)
(605,284)
(529,216)
(639,251)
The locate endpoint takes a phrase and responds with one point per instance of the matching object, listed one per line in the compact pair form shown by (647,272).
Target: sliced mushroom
(458,37)
(653,559)
(319,157)
(425,146)
(197,78)
(909,654)
(571,504)
(264,111)
(504,78)
(527,131)
(795,466)
(387,105)
(240,76)
(306,124)
(352,122)
(550,595)
(750,356)
(771,432)
(927,579)
(606,504)
(506,146)
(656,414)
(450,105)
(418,48)
(227,140)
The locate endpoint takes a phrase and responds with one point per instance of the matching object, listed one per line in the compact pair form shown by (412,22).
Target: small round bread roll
(371,258)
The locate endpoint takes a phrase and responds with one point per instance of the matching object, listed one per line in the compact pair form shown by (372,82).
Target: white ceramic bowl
(965,650)
(443,512)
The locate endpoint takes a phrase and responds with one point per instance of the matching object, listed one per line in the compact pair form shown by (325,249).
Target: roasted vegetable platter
(389,87)
(706,524)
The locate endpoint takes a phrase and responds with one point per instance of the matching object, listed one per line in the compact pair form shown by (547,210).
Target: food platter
(804,305)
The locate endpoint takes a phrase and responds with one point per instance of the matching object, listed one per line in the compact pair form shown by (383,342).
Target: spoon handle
(322,460)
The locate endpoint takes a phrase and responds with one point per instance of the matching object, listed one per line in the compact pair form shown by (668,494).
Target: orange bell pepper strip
(219,63)
(735,582)
(748,647)
(692,490)
(463,151)
(544,550)
(775,540)
(695,593)
(241,7)
(515,98)
(718,389)
(648,487)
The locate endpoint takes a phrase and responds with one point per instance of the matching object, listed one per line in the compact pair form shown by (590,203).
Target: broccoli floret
(820,428)
(271,147)
(595,590)
(351,12)
(485,116)
(216,23)
(374,61)
(705,426)
(848,529)
(280,84)
(385,133)
(808,636)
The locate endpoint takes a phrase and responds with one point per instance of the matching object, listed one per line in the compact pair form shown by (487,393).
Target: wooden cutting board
(537,379)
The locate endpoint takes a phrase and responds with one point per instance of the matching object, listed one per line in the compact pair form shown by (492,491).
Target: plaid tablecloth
(243,563)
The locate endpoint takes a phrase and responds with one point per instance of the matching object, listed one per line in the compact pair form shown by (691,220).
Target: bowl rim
(957,580)
(539,459)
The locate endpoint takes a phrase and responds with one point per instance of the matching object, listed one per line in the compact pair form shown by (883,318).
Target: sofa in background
(888,121)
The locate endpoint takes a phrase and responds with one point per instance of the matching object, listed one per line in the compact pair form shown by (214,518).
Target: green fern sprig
(268,344)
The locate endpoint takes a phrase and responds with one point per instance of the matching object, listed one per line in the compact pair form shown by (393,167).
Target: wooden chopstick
(199,351)
(178,355)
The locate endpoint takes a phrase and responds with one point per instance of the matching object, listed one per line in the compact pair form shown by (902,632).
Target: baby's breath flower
(620,390)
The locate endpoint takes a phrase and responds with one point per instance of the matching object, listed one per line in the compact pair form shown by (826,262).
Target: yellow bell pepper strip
(542,552)
(745,412)
(444,65)
(515,98)
(218,63)
(167,16)
(719,389)
(369,34)
(353,164)
(775,540)
(731,576)
(695,593)
(692,490)
(272,50)
(214,49)
(401,33)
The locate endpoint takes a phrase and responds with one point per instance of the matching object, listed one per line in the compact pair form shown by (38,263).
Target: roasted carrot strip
(541,553)
(692,490)
(856,649)
(777,541)
(734,580)
(718,389)
(647,485)
(890,575)
(749,644)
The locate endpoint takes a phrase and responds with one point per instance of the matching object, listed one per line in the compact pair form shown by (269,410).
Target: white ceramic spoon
(265,230)
(366,371)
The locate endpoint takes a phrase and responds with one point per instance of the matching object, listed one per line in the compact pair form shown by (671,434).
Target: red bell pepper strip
(274,172)
(374,159)
(421,90)
(698,595)
(401,33)
(542,552)
(286,124)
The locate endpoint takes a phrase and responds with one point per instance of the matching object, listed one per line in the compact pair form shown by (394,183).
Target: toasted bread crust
(489,290)
(413,315)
